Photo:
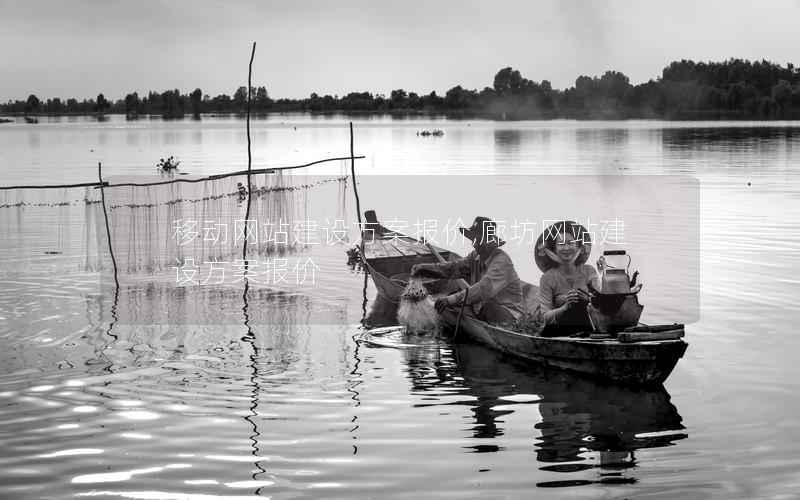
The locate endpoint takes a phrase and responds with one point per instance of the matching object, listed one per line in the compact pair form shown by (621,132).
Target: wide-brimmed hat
(552,232)
(483,228)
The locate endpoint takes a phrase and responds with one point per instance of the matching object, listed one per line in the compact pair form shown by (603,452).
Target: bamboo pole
(58,186)
(105,215)
(249,156)
(355,187)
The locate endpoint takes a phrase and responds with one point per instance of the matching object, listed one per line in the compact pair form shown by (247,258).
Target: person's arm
(551,313)
(592,277)
(495,279)
(452,270)
(455,269)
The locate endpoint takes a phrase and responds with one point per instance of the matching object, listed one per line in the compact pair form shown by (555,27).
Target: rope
(271,170)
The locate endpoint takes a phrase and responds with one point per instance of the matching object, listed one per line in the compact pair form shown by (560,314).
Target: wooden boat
(644,357)
(388,256)
(637,362)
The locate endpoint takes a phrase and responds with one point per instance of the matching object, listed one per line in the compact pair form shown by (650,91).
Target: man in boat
(495,291)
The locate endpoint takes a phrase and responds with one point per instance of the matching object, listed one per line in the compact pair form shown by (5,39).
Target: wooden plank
(389,249)
(419,247)
(401,250)
(442,251)
(407,249)
(654,328)
(647,336)
(374,249)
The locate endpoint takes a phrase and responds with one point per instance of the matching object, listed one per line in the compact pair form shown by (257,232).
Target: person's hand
(416,268)
(585,295)
(441,304)
(571,298)
(427,269)
(575,297)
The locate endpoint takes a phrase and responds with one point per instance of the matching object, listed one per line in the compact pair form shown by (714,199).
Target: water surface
(279,398)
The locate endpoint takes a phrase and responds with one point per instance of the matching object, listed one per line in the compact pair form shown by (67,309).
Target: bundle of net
(417,312)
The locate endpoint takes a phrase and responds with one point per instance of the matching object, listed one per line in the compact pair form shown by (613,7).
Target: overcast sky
(82,47)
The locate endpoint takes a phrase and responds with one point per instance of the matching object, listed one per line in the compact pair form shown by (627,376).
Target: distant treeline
(733,89)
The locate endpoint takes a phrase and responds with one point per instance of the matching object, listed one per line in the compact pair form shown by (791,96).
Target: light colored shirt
(493,282)
(554,285)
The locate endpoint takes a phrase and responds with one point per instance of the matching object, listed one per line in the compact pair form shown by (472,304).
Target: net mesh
(416,311)
(154,227)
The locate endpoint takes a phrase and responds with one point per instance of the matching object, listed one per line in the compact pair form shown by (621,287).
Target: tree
(32,104)
(101,104)
(196,99)
(358,101)
(173,105)
(459,98)
(155,102)
(262,101)
(614,84)
(398,99)
(240,99)
(782,95)
(507,80)
(56,106)
(584,86)
(132,104)
(222,103)
(432,101)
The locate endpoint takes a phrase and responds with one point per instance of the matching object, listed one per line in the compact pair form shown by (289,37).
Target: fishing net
(154,225)
(417,312)
(158,227)
(48,228)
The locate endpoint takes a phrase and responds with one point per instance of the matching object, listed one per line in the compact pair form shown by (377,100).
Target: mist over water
(281,397)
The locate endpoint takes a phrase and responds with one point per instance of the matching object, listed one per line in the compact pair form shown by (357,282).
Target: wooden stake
(105,215)
(355,187)
(249,155)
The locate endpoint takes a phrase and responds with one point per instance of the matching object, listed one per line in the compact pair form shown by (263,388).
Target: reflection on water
(578,416)
(181,384)
(611,137)
(583,424)
(737,138)
(508,140)
(250,338)
(34,139)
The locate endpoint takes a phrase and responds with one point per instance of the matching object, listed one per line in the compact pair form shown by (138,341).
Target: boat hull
(389,289)
(638,364)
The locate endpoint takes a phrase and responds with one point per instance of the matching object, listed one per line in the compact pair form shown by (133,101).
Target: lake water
(159,391)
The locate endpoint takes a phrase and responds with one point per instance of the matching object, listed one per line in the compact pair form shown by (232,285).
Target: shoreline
(684,117)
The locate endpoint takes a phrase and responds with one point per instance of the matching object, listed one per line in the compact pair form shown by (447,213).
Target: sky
(80,48)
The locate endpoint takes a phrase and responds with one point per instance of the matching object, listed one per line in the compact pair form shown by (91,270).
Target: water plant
(168,165)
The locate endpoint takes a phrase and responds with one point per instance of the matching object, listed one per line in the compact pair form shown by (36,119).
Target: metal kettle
(614,277)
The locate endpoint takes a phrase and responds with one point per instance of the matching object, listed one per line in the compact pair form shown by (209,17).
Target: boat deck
(392,254)
(394,245)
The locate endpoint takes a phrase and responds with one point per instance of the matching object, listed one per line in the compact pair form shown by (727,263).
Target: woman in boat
(561,253)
